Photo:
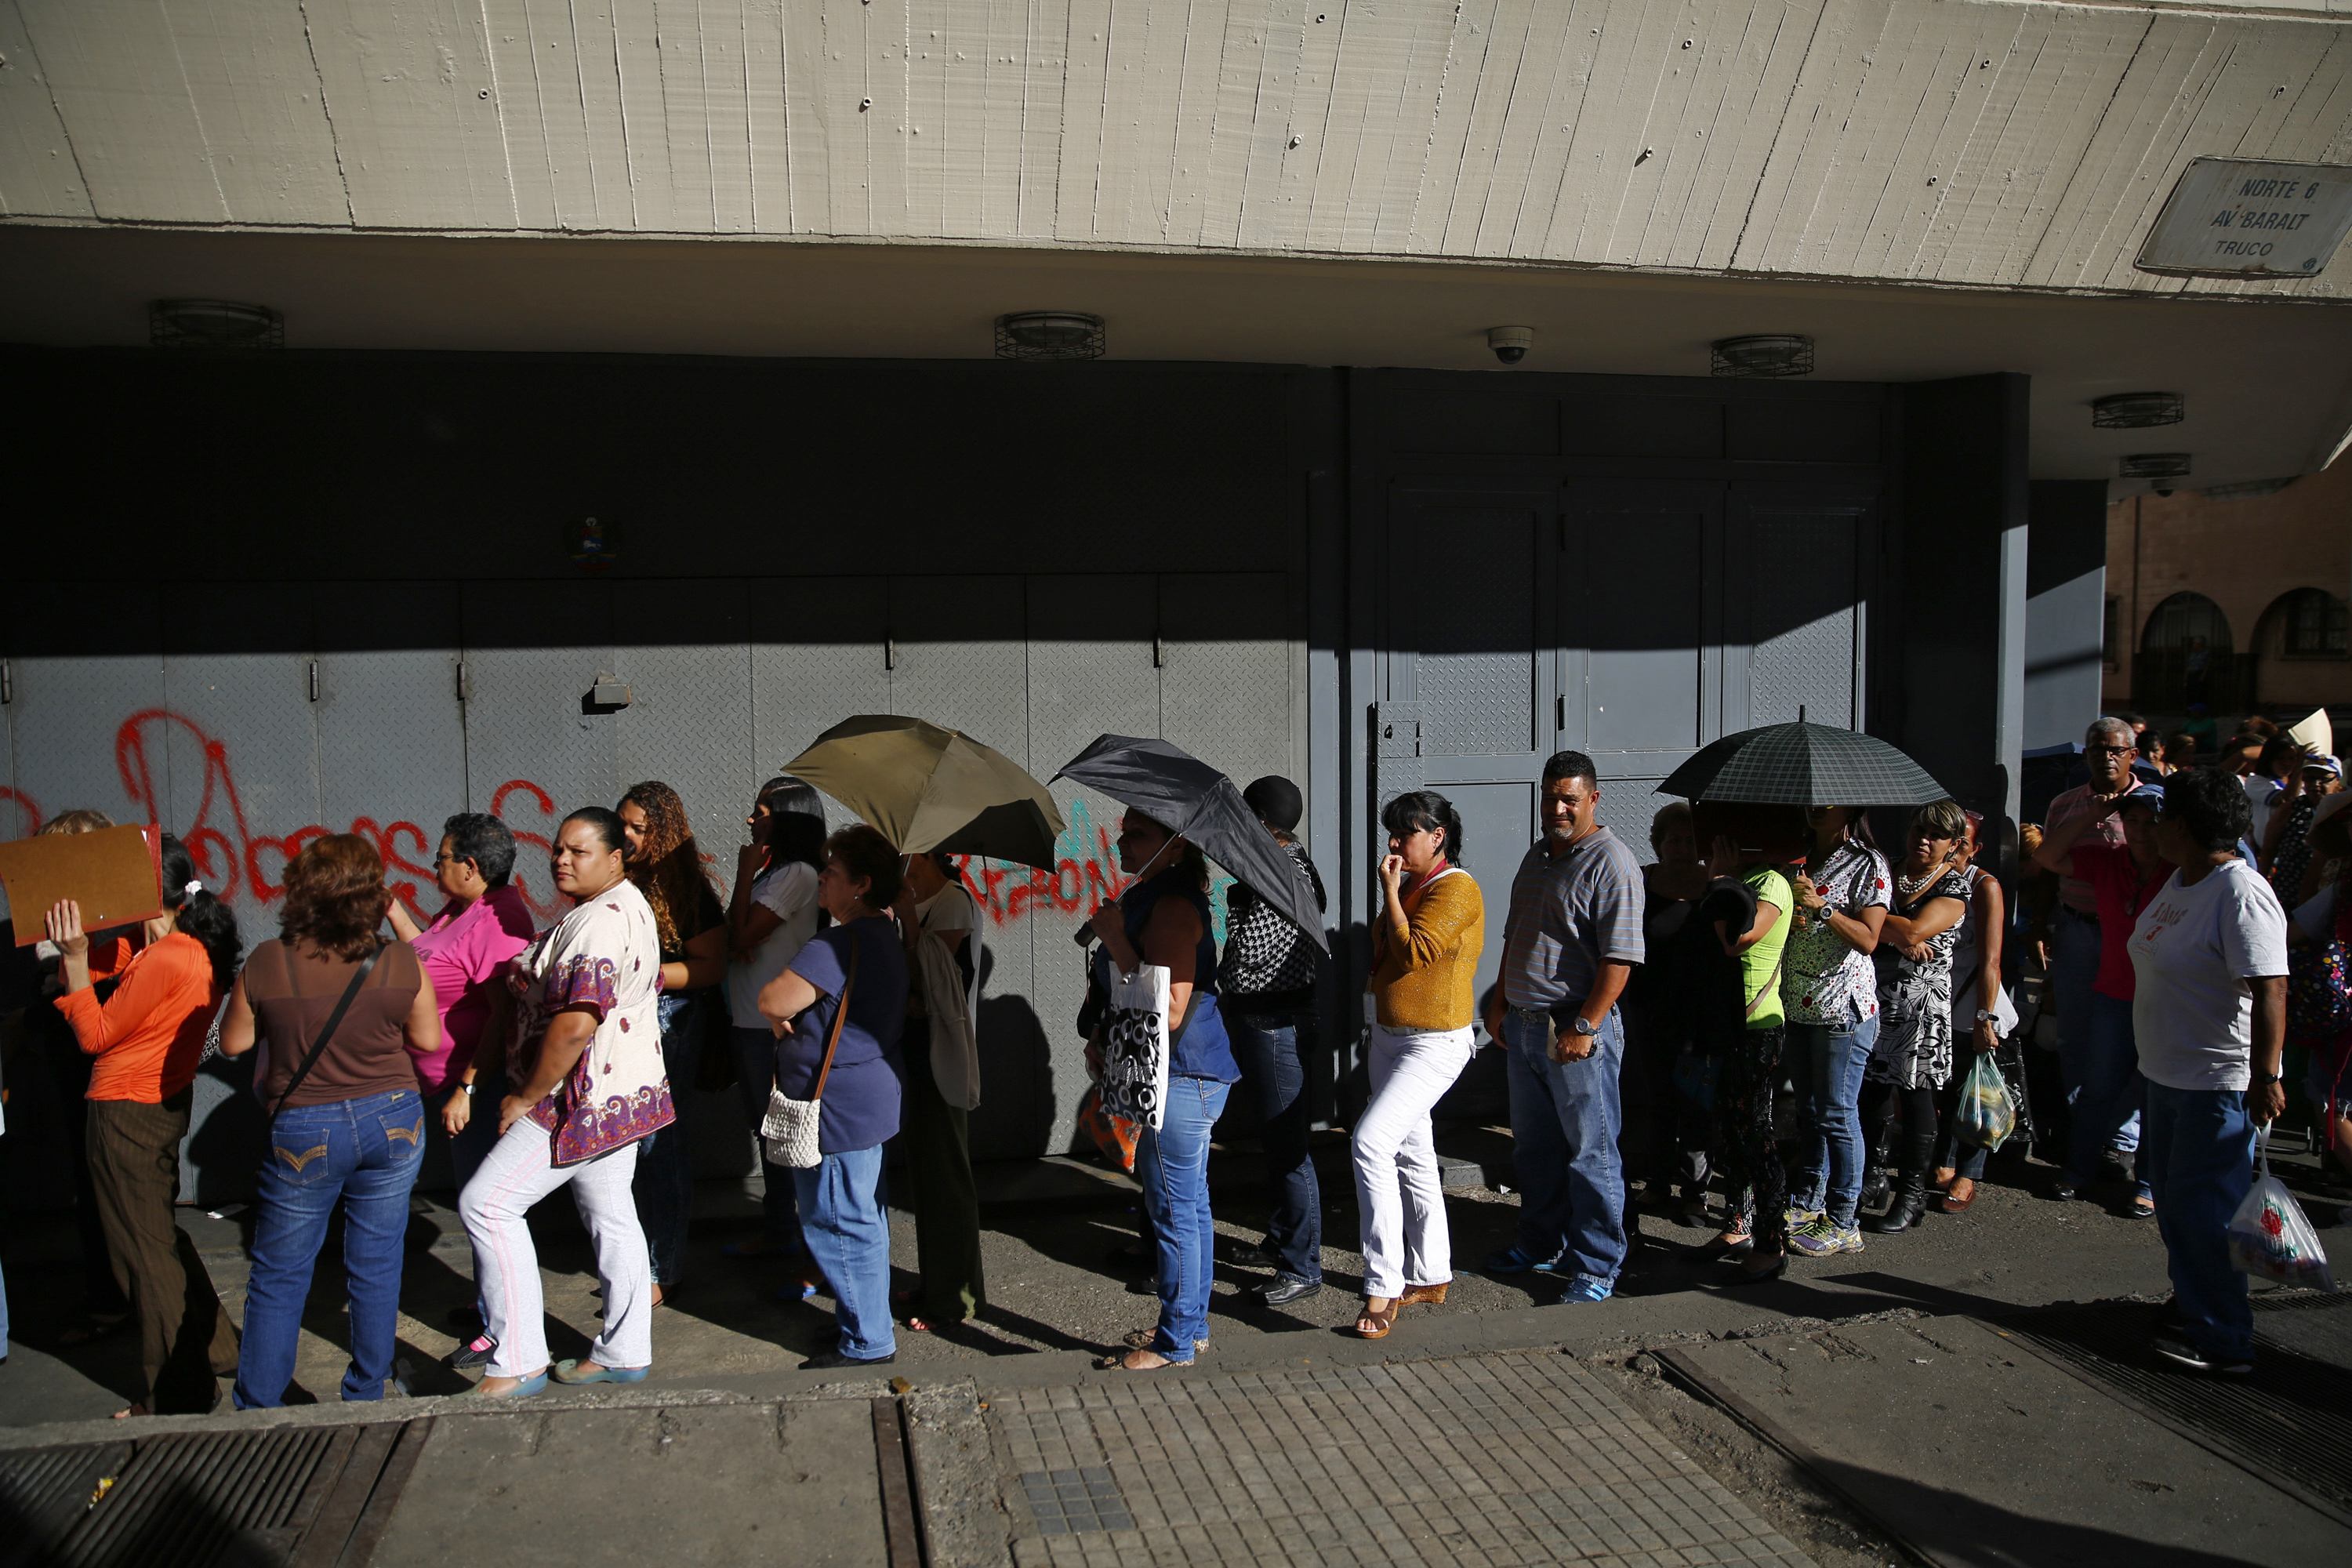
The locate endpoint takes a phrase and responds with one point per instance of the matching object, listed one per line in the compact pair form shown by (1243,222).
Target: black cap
(1276,802)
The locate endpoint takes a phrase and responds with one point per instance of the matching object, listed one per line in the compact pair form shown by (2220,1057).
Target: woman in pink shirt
(484,924)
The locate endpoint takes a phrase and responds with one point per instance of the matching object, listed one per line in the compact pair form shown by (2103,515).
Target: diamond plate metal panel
(1225,646)
(1091,673)
(689,724)
(80,691)
(1463,593)
(816,659)
(392,731)
(1805,607)
(243,738)
(685,655)
(1627,807)
(963,660)
(1633,586)
(534,752)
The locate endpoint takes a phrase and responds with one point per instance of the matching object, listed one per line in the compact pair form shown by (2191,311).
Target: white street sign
(2232,217)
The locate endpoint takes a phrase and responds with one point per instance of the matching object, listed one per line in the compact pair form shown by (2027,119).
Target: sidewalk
(1497,1428)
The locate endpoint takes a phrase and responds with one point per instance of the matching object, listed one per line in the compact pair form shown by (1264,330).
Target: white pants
(517,1172)
(1406,1242)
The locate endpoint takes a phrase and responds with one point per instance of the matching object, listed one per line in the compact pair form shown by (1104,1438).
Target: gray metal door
(390,727)
(1641,635)
(536,748)
(1804,559)
(1091,673)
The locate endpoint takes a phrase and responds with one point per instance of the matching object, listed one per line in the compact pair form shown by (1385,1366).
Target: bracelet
(2266,1077)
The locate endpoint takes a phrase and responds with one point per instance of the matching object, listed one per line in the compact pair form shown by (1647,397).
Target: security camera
(1510,343)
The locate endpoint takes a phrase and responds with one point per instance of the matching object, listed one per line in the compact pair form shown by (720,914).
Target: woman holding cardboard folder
(147,1039)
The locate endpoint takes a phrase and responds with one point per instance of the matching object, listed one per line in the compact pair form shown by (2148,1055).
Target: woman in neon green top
(1745,1145)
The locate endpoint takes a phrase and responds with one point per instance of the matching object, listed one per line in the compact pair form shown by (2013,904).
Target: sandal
(1371,1324)
(1421,1296)
(1959,1203)
(93,1330)
(1125,1362)
(1142,1340)
(2142,1207)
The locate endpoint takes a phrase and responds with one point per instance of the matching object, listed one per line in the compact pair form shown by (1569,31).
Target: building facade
(656,344)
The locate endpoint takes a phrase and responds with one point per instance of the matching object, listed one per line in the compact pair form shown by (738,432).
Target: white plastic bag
(2269,1235)
(1135,1044)
(1988,1113)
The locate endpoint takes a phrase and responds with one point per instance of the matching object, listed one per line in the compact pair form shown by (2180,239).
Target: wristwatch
(2266,1077)
(1985,1017)
(468,1088)
(1579,1025)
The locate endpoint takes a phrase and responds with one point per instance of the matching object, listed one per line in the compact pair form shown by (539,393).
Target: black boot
(1875,1189)
(1910,1203)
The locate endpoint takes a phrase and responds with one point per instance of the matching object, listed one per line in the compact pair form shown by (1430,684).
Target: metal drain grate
(1075,1502)
(2284,1423)
(204,1499)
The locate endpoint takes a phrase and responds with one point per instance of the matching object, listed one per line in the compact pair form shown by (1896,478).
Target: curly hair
(863,852)
(335,895)
(668,870)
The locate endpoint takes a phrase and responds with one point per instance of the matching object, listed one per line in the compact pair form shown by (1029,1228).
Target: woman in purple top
(484,923)
(860,960)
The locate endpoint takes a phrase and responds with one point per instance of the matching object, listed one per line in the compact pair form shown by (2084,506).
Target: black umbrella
(1189,797)
(1803,764)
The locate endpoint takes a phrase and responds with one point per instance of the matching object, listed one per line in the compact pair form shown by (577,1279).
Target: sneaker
(1821,1239)
(2175,1347)
(1797,1219)
(476,1351)
(1512,1260)
(1586,1288)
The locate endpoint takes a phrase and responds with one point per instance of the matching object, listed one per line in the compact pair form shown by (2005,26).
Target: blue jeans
(2073,972)
(1564,1119)
(1173,1166)
(755,1075)
(1267,1046)
(363,1154)
(2198,1151)
(1826,1066)
(664,1186)
(2105,1089)
(849,1235)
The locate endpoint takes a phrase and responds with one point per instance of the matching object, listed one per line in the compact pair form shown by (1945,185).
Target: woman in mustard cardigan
(1425,947)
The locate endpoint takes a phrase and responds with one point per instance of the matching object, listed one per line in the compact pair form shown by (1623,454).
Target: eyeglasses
(2112,750)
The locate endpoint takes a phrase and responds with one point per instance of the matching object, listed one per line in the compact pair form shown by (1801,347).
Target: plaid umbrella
(1804,765)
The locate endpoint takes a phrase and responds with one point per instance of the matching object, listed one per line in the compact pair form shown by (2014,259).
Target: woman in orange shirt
(147,1039)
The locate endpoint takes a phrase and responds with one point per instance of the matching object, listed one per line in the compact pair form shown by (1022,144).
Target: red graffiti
(236,859)
(26,808)
(1074,887)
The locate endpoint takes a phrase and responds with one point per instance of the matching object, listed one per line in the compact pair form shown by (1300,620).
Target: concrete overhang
(2268,381)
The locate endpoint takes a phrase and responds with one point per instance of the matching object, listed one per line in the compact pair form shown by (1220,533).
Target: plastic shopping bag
(2269,1235)
(1988,1112)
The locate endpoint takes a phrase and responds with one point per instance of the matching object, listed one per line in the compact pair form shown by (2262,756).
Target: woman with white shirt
(772,915)
(2208,1019)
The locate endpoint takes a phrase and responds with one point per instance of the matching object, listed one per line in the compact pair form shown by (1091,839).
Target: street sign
(2232,217)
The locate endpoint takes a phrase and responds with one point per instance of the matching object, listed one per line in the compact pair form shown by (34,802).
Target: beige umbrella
(927,788)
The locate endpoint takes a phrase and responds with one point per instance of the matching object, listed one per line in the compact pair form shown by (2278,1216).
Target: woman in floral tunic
(1913,1059)
(589,1087)
(1832,999)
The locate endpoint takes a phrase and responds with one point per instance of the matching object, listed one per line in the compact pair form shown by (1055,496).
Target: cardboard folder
(115,874)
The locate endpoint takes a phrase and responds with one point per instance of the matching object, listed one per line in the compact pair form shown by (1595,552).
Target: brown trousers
(184,1338)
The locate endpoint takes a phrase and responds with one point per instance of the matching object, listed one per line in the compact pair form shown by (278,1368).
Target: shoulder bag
(788,1131)
(319,1047)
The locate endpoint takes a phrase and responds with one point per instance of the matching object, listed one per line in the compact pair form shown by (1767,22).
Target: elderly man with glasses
(2107,749)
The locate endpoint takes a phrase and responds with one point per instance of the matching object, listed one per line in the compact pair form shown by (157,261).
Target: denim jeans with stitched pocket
(665,1179)
(1267,1046)
(2074,974)
(2198,1151)
(363,1154)
(1173,1166)
(2104,1091)
(849,1236)
(1565,1121)
(1827,1066)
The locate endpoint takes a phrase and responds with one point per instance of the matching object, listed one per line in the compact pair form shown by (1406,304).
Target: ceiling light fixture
(214,325)
(1049,335)
(1764,356)
(2137,410)
(2154,466)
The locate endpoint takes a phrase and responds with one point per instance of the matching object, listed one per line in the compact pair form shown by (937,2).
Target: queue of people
(1651,1018)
